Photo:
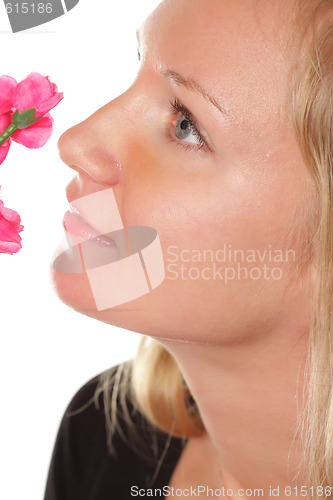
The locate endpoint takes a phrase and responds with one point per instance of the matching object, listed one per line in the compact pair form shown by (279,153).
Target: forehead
(233,47)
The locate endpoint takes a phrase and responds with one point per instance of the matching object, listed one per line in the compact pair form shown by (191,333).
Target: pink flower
(36,135)
(7,89)
(10,240)
(5,121)
(35,91)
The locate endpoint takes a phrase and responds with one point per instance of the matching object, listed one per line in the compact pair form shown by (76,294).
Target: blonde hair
(313,122)
(153,378)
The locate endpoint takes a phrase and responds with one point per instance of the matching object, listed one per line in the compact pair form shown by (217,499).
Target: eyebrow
(191,85)
(188,83)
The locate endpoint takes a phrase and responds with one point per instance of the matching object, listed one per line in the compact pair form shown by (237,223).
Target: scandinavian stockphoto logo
(121,263)
(24,15)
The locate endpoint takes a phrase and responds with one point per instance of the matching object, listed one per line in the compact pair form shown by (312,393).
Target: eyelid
(138,51)
(185,146)
(176,107)
(195,122)
(138,44)
(197,126)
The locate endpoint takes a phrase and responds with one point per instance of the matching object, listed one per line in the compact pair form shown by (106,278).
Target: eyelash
(178,107)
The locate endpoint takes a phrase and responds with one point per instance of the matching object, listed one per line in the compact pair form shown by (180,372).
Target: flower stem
(7,133)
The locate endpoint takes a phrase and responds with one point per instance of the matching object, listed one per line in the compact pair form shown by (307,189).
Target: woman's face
(223,193)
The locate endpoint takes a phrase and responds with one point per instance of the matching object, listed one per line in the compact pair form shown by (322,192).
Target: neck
(248,397)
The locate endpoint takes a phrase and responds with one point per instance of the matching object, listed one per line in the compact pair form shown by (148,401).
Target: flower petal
(4,148)
(5,121)
(7,89)
(36,91)
(10,240)
(36,135)
(9,233)
(9,247)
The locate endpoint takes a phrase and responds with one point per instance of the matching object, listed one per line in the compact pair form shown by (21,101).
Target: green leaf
(24,119)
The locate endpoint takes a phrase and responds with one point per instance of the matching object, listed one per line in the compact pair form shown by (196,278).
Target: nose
(91,147)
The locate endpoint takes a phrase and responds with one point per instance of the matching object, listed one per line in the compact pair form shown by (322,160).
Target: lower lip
(75,225)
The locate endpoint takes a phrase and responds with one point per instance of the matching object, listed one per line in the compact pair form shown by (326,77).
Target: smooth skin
(242,345)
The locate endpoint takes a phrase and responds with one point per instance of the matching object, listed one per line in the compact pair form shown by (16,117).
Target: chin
(74,290)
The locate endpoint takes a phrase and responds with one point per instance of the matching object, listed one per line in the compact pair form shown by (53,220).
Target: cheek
(207,208)
(203,220)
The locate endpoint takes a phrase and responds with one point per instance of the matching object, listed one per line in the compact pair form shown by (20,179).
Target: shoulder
(86,420)
(81,463)
(81,460)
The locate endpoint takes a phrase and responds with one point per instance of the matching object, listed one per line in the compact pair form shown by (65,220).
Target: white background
(48,351)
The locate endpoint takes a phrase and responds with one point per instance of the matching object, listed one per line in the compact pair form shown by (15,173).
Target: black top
(82,467)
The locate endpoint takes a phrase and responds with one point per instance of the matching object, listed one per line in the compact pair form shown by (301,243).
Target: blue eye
(185,127)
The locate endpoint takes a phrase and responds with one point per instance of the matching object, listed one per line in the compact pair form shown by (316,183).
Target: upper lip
(74,210)
(80,186)
(94,227)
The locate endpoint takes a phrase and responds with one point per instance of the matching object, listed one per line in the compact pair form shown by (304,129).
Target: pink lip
(74,224)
